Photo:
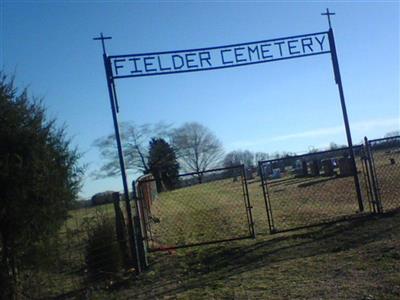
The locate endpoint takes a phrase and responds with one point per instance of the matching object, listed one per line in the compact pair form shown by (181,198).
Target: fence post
(249,207)
(138,223)
(268,209)
(376,197)
(367,178)
(120,228)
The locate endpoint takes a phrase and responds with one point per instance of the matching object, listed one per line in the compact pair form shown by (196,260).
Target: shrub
(39,180)
(103,256)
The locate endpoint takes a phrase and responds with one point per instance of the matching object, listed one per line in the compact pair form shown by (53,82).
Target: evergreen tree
(39,180)
(163,164)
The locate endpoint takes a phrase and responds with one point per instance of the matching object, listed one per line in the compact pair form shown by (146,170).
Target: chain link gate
(369,178)
(310,189)
(201,208)
(383,159)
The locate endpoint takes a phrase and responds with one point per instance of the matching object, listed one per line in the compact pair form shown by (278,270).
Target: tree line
(161,150)
(164,151)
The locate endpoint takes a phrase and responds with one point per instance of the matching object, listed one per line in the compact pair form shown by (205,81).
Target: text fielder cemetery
(146,64)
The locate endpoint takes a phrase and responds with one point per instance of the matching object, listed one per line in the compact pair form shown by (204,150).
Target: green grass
(201,213)
(354,259)
(216,210)
(62,267)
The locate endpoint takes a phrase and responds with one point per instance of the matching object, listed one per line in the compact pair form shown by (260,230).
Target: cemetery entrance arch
(213,58)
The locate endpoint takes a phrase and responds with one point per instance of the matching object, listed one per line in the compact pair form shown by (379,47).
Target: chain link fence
(89,250)
(201,208)
(309,189)
(385,155)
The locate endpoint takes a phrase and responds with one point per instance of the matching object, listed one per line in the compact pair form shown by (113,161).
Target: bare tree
(232,159)
(135,140)
(239,157)
(197,147)
(260,156)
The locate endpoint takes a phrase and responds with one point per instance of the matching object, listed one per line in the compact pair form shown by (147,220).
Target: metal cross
(328,14)
(102,38)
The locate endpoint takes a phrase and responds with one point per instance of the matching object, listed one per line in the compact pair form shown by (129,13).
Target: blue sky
(288,105)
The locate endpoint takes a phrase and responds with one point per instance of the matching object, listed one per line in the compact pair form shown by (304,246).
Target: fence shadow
(204,267)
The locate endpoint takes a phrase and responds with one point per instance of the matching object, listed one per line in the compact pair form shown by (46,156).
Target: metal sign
(203,59)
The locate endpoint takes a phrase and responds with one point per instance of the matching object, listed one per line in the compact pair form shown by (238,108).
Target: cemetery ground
(355,258)
(358,258)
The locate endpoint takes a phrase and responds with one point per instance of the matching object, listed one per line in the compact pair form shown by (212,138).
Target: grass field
(217,210)
(388,175)
(201,213)
(62,267)
(356,258)
(353,259)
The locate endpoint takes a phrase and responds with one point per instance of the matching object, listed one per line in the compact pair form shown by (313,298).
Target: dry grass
(388,178)
(201,213)
(351,259)
(354,259)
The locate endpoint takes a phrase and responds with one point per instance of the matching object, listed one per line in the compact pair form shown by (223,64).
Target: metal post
(131,229)
(120,229)
(112,95)
(139,227)
(376,202)
(247,204)
(345,117)
(268,208)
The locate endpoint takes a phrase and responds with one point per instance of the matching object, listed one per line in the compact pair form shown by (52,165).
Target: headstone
(301,169)
(334,162)
(327,167)
(249,173)
(279,164)
(314,168)
(345,167)
(267,170)
(304,167)
(276,174)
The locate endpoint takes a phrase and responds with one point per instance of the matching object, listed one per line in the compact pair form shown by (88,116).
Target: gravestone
(345,167)
(327,167)
(267,170)
(276,174)
(249,173)
(314,168)
(304,168)
(301,169)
